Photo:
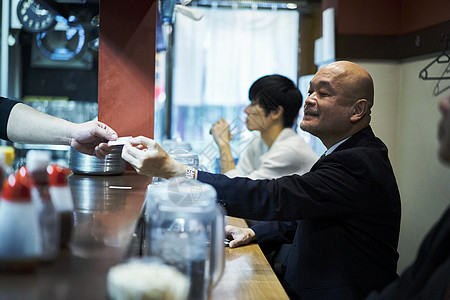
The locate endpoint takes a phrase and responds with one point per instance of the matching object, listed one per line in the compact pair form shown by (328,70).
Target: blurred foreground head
(444,130)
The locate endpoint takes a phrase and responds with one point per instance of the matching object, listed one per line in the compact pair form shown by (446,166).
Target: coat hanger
(442,85)
(442,58)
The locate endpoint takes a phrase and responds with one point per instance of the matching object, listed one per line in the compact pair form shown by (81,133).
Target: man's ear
(277,114)
(360,109)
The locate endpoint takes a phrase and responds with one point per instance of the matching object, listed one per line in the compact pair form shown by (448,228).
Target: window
(215,61)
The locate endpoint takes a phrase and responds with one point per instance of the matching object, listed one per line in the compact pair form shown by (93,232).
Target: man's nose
(311,99)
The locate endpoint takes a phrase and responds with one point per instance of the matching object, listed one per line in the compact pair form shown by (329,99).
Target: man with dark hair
(346,209)
(273,91)
(278,150)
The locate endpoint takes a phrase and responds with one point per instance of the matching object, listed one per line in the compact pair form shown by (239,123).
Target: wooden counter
(247,274)
(105,220)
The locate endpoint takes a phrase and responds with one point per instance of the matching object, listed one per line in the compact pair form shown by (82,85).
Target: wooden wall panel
(389,29)
(127,66)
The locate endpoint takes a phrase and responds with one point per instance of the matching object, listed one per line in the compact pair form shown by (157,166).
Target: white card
(120,141)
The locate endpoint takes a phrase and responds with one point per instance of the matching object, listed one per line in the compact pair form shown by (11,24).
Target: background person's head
(444,130)
(273,94)
(339,102)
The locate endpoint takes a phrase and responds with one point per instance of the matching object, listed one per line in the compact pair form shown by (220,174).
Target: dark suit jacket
(429,276)
(347,218)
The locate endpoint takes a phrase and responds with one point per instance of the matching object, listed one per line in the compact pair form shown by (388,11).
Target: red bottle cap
(24,176)
(57,175)
(16,188)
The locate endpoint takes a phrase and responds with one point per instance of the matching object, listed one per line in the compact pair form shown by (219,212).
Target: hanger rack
(442,58)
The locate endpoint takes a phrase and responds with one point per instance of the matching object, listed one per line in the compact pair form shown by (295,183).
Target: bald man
(344,214)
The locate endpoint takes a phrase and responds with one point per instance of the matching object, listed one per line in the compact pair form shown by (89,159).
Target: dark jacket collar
(356,139)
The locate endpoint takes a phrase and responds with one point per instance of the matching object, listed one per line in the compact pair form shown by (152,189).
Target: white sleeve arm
(284,161)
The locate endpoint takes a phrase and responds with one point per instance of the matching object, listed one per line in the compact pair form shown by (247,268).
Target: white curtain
(217,58)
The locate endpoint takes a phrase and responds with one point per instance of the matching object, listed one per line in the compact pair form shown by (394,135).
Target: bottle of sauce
(20,237)
(37,162)
(62,200)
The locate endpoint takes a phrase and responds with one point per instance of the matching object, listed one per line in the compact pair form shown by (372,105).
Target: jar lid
(15,188)
(57,175)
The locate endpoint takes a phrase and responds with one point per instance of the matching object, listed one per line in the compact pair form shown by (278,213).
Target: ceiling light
(291,5)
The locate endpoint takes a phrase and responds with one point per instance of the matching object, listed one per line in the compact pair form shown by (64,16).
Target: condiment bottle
(62,200)
(20,238)
(7,156)
(37,162)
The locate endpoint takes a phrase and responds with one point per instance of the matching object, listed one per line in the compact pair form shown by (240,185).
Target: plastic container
(185,228)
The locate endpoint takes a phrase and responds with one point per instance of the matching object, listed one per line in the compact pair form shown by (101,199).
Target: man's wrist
(191,173)
(182,170)
(223,144)
(176,169)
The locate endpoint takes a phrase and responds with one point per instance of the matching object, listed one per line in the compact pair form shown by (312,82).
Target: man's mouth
(311,113)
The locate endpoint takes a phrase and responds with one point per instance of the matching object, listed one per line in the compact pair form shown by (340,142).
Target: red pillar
(126,75)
